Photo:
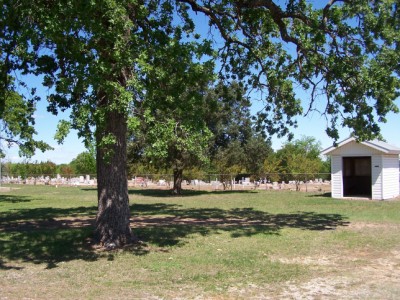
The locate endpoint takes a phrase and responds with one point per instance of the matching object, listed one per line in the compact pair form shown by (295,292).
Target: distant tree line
(298,160)
(25,169)
(83,164)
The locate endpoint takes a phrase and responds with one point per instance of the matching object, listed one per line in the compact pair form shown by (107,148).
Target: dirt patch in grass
(377,279)
(360,226)
(352,274)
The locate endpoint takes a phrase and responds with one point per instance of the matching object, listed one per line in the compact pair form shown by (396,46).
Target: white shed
(364,169)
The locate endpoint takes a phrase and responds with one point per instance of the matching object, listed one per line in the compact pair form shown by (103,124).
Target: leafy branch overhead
(345,54)
(17,125)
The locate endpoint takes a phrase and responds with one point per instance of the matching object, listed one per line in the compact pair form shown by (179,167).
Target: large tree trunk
(178,176)
(112,221)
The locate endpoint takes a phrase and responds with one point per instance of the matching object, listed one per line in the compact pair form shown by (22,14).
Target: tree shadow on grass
(14,199)
(49,246)
(167,225)
(52,235)
(46,235)
(162,192)
(324,195)
(185,193)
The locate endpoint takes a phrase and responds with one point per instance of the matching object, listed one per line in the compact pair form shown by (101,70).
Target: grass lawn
(203,245)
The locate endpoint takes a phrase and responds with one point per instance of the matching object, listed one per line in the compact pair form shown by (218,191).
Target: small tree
(66,170)
(84,163)
(178,147)
(228,161)
(300,159)
(272,167)
(302,168)
(48,168)
(256,149)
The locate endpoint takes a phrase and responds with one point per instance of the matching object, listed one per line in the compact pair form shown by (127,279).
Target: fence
(273,181)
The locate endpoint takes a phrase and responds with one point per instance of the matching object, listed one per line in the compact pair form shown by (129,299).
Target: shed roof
(380,146)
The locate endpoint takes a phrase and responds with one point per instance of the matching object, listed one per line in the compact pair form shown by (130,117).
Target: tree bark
(178,176)
(112,221)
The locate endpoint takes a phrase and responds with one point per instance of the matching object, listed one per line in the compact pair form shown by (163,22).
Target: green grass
(203,243)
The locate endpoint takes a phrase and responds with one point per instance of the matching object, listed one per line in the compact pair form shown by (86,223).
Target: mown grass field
(203,245)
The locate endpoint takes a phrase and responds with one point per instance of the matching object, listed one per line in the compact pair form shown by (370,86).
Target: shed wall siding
(337,178)
(376,177)
(390,176)
(355,149)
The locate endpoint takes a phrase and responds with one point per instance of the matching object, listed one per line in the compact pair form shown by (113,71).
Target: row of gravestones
(81,180)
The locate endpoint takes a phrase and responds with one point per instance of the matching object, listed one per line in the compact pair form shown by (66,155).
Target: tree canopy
(345,53)
(300,159)
(101,58)
(228,116)
(171,130)
(208,127)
